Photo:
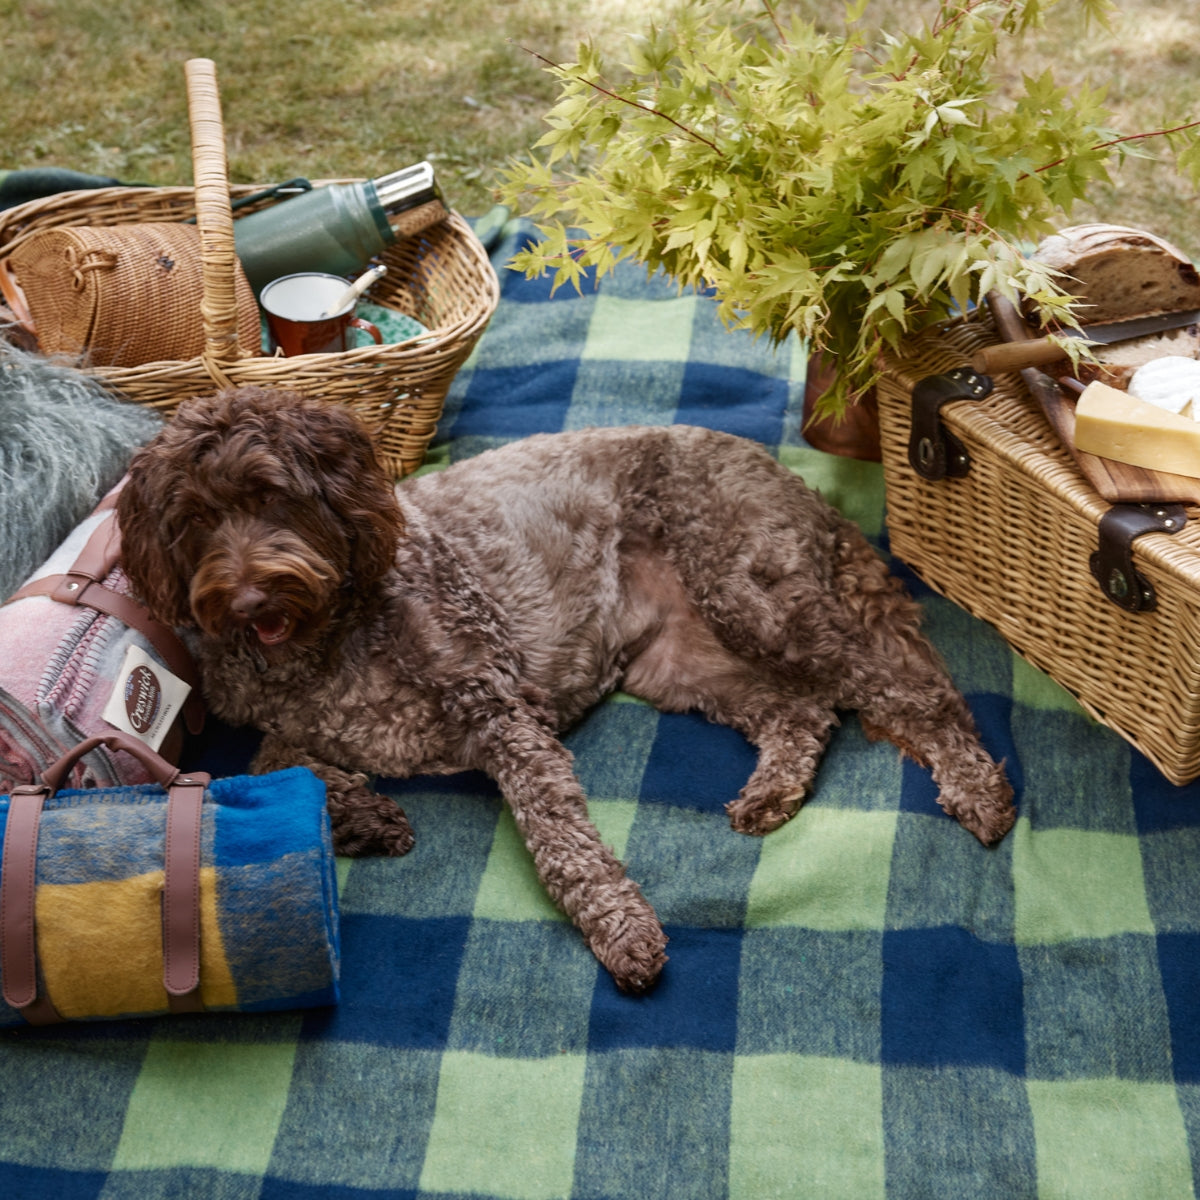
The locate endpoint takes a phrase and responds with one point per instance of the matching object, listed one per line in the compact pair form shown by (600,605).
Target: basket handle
(214,219)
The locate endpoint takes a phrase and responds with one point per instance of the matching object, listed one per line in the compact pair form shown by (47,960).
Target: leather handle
(181,865)
(161,770)
(83,584)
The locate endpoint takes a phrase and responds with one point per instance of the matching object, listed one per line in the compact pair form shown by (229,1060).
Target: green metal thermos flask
(337,228)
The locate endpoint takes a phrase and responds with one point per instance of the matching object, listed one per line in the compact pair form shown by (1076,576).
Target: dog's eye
(201,518)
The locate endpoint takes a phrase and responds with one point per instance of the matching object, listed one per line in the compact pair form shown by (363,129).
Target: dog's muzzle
(263,583)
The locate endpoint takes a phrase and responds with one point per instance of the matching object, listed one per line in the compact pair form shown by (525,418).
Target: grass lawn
(329,88)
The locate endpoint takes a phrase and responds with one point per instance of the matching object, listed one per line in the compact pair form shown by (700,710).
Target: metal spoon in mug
(355,290)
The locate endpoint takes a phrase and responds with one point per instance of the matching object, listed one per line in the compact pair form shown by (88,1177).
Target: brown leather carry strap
(83,585)
(18,883)
(74,588)
(181,894)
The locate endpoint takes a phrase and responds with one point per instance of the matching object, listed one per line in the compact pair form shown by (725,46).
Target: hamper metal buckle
(1112,564)
(933,451)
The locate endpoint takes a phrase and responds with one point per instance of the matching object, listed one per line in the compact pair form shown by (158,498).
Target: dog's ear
(357,488)
(146,558)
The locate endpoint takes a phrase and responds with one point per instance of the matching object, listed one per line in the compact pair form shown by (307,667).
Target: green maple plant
(846,188)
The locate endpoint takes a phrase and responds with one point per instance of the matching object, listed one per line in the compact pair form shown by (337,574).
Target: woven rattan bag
(122,295)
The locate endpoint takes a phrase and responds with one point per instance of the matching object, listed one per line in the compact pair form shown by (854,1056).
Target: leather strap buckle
(1112,564)
(933,451)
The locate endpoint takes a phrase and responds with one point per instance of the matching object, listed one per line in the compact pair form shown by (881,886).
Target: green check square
(225,1116)
(640,330)
(824,1113)
(827,869)
(505,1126)
(853,487)
(1099,1138)
(1070,884)
(510,889)
(1035,689)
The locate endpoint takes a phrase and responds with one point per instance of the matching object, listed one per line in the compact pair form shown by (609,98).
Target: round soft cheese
(1170,382)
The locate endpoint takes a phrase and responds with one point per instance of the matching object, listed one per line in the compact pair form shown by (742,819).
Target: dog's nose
(247,603)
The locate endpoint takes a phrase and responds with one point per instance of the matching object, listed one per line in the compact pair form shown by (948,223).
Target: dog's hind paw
(989,823)
(756,817)
(987,809)
(758,811)
(636,965)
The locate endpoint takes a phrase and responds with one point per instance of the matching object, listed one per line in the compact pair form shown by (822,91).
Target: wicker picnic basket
(1012,541)
(441,277)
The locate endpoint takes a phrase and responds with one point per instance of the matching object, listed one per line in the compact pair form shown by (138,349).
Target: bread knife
(1016,356)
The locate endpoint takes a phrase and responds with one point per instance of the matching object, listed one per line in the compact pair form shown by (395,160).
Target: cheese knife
(1016,356)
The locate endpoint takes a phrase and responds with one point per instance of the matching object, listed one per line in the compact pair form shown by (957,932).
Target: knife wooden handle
(1016,356)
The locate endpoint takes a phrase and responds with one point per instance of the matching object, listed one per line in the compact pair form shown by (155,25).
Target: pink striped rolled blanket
(79,656)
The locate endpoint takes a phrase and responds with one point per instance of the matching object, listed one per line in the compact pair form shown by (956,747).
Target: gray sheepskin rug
(64,441)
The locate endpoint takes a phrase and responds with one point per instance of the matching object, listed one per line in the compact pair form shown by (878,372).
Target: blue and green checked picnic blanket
(864,1004)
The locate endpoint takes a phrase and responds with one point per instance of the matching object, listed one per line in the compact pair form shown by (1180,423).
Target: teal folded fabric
(268,898)
(32,183)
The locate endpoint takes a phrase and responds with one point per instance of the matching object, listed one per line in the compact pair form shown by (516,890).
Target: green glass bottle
(337,228)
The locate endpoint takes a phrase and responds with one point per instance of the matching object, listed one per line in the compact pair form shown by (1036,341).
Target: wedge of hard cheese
(1115,425)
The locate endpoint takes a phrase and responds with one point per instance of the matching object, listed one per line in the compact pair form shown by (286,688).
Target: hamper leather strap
(181,883)
(83,585)
(18,879)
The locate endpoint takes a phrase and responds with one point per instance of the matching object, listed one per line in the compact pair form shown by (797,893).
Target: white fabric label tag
(146,698)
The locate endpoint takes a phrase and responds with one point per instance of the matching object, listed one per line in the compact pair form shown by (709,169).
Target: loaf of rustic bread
(1118,273)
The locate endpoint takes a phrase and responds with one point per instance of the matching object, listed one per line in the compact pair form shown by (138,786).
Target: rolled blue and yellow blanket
(267,903)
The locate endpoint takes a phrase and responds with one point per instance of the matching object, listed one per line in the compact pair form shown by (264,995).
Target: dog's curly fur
(461,619)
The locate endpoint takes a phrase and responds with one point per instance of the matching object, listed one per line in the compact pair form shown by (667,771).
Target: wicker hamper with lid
(1012,541)
(441,277)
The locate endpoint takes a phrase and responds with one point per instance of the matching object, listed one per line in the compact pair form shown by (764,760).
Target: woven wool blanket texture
(866,1003)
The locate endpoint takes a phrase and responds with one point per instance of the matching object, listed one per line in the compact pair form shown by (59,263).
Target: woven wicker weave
(121,295)
(442,277)
(1010,542)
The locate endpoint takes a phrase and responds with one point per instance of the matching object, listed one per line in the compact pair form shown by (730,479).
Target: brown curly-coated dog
(460,619)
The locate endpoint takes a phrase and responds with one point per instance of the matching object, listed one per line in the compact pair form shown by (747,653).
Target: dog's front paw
(631,945)
(366,823)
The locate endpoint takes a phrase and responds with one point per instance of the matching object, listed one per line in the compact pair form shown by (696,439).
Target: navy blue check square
(696,764)
(376,950)
(513,402)
(695,1002)
(950,999)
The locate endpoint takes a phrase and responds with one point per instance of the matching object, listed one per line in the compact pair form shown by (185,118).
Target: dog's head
(252,512)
